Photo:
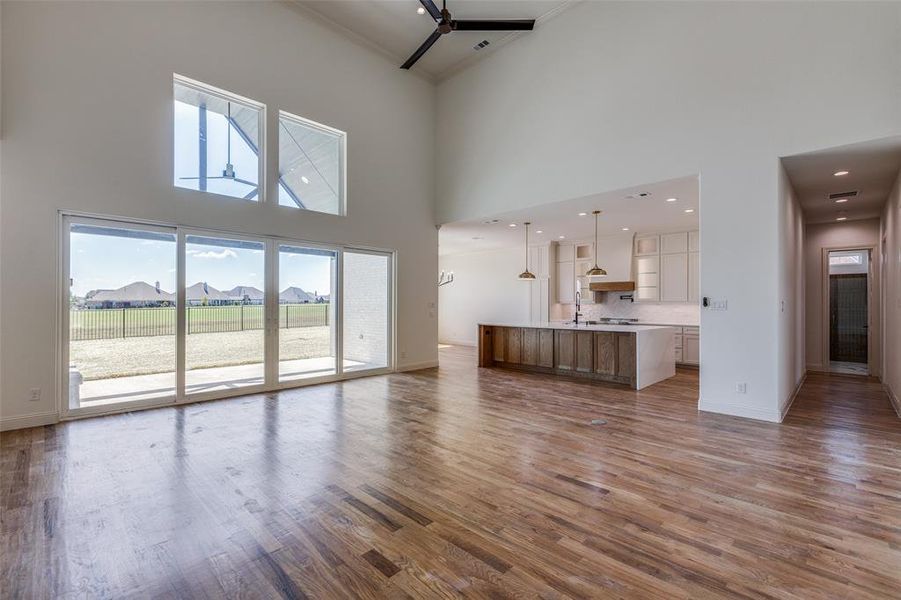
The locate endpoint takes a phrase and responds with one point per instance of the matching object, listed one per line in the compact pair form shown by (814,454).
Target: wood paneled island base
(637,356)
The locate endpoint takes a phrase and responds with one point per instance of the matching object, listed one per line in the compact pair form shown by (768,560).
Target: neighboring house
(243,294)
(203,294)
(295,295)
(133,295)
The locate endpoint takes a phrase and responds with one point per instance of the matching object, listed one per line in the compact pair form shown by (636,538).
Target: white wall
(791,361)
(890,235)
(609,95)
(485,290)
(87,125)
(818,236)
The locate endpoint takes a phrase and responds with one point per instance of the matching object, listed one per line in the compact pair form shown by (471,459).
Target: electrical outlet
(719,305)
(741,388)
(34,394)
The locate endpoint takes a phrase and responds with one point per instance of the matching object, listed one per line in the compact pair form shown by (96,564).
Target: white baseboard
(427,364)
(896,403)
(468,343)
(786,406)
(32,420)
(740,410)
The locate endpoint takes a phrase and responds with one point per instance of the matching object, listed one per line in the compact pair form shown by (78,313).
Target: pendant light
(596,271)
(527,275)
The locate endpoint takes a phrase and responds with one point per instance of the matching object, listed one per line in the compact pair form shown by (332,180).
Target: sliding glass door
(224,313)
(306,312)
(119,314)
(154,314)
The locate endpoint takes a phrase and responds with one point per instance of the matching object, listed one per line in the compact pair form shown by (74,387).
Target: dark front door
(848,318)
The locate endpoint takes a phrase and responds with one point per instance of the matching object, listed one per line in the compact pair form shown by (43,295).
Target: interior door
(848,318)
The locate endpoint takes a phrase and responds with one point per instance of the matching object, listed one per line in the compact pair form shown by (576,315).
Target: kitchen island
(636,355)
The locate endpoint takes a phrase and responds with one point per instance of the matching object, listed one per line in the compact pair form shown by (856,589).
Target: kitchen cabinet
(514,345)
(674,277)
(499,342)
(673,243)
(546,348)
(564,350)
(566,253)
(539,301)
(530,346)
(585,351)
(672,273)
(691,346)
(694,277)
(647,245)
(647,286)
(566,283)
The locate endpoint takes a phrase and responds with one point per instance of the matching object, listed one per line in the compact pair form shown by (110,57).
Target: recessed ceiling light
(689,210)
(539,231)
(512,224)
(671,199)
(582,214)
(625,229)
(841,218)
(840,200)
(304,179)
(562,237)
(841,173)
(420,11)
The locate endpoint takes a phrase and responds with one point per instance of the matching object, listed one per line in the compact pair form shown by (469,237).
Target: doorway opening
(849,314)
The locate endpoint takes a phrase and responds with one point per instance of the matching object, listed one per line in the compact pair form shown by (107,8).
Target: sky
(109,262)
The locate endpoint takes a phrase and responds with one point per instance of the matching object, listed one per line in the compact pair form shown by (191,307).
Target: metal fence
(112,323)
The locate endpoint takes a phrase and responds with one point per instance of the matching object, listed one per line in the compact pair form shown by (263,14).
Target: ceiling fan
(229,171)
(446,25)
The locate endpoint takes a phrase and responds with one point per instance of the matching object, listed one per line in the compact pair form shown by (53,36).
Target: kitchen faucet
(578,308)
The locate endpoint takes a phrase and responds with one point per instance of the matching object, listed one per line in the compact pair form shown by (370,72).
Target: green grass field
(112,323)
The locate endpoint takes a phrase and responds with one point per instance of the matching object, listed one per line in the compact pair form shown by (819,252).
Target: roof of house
(245,291)
(201,290)
(137,291)
(296,294)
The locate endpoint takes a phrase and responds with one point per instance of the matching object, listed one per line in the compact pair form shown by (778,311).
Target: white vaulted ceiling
(394,28)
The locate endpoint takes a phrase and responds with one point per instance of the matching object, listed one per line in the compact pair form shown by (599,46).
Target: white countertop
(581,327)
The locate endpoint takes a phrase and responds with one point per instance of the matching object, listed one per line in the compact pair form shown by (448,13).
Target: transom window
(311,165)
(217,141)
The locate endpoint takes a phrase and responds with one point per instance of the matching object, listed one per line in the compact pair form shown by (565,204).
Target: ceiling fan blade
(501,25)
(422,49)
(433,10)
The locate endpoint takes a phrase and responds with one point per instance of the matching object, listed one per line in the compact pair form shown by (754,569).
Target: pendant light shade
(596,271)
(527,275)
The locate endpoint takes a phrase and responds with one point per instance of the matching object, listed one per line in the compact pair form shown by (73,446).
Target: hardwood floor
(461,482)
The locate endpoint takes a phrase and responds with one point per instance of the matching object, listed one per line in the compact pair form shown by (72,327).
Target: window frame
(199,86)
(342,160)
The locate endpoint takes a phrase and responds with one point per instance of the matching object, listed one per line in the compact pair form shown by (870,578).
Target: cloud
(224,253)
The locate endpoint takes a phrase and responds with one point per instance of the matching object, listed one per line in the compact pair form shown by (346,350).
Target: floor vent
(598,422)
(481,45)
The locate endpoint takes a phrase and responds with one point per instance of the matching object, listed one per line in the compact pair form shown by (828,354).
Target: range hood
(616,257)
(612,286)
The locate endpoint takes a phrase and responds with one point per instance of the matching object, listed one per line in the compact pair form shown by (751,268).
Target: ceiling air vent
(836,196)
(481,45)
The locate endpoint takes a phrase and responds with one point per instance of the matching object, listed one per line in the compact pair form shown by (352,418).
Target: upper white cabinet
(694,241)
(540,301)
(565,275)
(694,277)
(647,285)
(667,267)
(673,243)
(674,277)
(647,245)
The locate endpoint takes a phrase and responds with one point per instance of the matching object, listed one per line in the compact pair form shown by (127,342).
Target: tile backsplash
(650,312)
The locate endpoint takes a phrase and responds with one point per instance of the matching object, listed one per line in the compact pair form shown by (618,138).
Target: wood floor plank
(461,482)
